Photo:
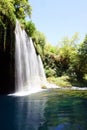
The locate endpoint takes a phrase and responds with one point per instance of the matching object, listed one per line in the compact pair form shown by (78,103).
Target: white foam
(78,88)
(26,93)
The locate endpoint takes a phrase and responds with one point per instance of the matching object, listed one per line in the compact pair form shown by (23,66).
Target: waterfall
(29,72)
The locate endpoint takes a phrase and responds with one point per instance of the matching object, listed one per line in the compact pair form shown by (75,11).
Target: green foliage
(82,51)
(40,40)
(7,10)
(49,72)
(30,28)
(62,81)
(14,9)
(22,8)
(58,57)
(78,61)
(69,58)
(49,64)
(50,49)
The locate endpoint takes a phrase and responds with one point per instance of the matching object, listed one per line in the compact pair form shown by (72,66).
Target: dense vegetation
(68,61)
(65,62)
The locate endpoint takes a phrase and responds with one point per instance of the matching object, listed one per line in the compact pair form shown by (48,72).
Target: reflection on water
(29,113)
(43,111)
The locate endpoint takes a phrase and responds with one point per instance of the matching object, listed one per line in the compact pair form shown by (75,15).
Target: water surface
(48,110)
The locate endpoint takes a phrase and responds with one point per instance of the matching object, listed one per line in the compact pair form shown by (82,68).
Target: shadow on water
(43,111)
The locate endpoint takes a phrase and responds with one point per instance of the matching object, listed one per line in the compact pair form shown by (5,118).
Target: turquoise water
(48,110)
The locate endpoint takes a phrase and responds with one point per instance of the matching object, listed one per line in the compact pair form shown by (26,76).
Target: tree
(22,8)
(40,40)
(14,10)
(82,55)
(65,52)
(6,11)
(50,49)
(30,28)
(78,61)
(59,57)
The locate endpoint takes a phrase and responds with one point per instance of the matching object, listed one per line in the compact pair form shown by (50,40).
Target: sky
(60,18)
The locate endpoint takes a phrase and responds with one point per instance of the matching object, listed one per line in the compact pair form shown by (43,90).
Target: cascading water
(29,72)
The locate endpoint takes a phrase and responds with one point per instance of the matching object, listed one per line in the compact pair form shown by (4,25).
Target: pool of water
(48,110)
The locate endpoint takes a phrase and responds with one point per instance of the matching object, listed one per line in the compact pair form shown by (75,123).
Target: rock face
(7,61)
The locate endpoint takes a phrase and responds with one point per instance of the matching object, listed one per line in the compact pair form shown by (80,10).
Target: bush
(50,72)
(60,81)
